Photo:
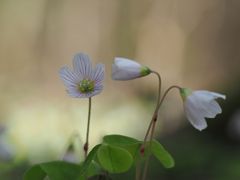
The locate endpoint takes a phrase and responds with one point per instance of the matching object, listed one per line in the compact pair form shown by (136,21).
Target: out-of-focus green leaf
(56,170)
(34,173)
(130,144)
(92,170)
(119,140)
(161,154)
(61,170)
(91,156)
(114,159)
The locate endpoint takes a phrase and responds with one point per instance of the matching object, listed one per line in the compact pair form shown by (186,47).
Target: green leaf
(114,159)
(61,170)
(56,170)
(162,155)
(119,140)
(130,144)
(93,169)
(91,156)
(35,172)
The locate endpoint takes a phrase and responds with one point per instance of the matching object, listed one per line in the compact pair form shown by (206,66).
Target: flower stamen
(86,86)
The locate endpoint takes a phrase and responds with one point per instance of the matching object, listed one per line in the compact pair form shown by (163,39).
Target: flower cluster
(198,105)
(84,82)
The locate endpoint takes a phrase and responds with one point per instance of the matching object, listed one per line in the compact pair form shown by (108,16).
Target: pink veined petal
(95,92)
(98,87)
(73,92)
(69,78)
(82,65)
(98,74)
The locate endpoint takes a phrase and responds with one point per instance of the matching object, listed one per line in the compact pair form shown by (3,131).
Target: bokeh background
(191,43)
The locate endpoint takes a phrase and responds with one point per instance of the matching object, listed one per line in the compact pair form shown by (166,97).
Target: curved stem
(165,94)
(85,148)
(159,86)
(152,124)
(155,114)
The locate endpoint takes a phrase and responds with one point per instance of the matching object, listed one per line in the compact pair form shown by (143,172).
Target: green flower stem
(155,114)
(148,158)
(159,85)
(152,127)
(85,148)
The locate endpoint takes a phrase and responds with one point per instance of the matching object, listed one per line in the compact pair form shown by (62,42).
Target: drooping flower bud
(126,69)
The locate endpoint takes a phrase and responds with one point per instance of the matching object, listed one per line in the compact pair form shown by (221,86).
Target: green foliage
(90,159)
(114,159)
(35,172)
(56,170)
(116,154)
(130,144)
(161,154)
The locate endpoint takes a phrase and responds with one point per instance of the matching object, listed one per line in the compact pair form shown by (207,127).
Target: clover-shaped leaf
(114,159)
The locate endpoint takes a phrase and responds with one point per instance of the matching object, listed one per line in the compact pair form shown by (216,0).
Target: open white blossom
(83,81)
(199,105)
(126,69)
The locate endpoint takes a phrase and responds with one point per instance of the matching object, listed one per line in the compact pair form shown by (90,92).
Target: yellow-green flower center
(86,86)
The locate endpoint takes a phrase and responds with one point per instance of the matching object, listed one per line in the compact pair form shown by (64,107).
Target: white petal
(208,95)
(124,63)
(125,69)
(194,117)
(82,65)
(214,107)
(206,108)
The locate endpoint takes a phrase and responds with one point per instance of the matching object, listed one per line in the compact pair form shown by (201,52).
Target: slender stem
(85,148)
(155,114)
(153,124)
(158,107)
(165,94)
(159,85)
(148,158)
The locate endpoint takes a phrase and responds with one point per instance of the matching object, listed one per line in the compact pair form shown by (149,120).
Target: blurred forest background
(191,43)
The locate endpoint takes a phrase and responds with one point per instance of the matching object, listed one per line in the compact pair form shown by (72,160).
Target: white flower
(126,69)
(199,105)
(83,81)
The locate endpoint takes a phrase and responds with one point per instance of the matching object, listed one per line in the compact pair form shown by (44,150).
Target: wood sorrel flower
(126,69)
(199,105)
(83,81)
